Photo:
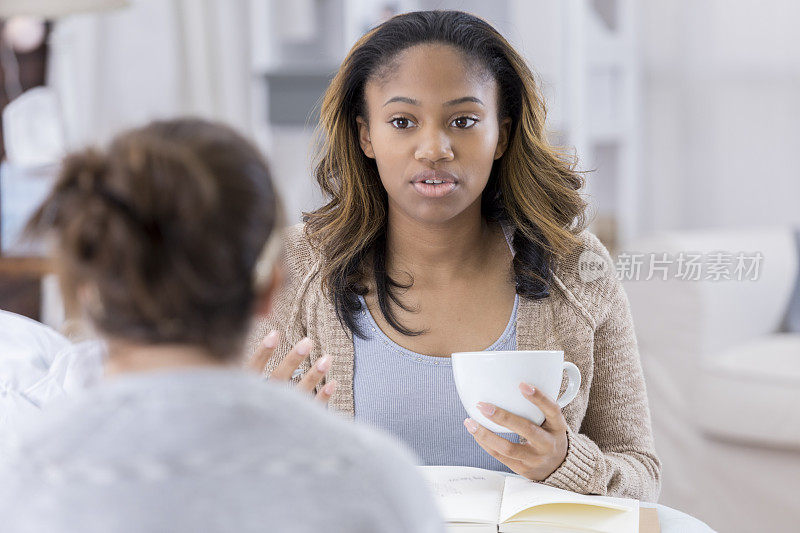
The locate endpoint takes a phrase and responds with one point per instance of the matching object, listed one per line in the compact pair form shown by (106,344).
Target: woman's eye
(401,123)
(464,122)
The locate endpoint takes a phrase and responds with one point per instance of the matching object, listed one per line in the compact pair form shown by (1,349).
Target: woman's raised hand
(288,368)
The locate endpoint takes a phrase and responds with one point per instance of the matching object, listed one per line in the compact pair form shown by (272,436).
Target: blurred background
(687,112)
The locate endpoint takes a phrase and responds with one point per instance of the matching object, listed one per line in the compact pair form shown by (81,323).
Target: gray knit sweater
(207,450)
(610,442)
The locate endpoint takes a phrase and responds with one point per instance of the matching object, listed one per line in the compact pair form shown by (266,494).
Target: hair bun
(167,224)
(84,170)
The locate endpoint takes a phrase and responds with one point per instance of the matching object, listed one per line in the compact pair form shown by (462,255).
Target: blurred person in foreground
(167,241)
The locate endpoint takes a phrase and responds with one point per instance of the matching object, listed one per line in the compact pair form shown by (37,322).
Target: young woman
(167,242)
(453,226)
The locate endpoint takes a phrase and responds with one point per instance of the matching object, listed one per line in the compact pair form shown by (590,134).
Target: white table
(674,521)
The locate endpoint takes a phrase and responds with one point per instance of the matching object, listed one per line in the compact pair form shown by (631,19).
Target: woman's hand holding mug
(288,368)
(544,448)
(488,380)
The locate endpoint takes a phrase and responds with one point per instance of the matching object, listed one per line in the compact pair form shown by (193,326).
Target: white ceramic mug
(494,377)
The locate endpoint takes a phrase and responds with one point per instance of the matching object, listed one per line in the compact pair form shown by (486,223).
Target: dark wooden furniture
(20,277)
(20,284)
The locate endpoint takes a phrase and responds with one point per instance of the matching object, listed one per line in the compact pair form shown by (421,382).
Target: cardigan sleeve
(613,454)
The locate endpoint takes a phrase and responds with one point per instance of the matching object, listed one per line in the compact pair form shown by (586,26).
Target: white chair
(723,381)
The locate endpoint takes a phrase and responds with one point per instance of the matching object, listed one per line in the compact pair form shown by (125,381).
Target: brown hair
(166,225)
(533,187)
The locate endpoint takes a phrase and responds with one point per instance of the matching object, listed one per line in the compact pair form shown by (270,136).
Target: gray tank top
(413,396)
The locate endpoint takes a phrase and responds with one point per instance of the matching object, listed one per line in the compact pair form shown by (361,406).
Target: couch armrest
(691,319)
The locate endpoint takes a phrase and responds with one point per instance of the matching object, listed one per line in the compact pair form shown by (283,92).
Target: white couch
(723,382)
(38,366)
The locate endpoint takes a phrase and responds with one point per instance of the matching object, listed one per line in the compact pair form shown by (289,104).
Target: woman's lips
(434,190)
(434,183)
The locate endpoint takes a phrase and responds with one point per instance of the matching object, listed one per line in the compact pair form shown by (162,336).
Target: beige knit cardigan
(610,442)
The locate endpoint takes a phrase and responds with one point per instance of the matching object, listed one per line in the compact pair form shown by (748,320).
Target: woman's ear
(502,138)
(87,297)
(262,305)
(363,138)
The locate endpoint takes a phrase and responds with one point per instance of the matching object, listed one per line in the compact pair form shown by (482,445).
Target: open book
(477,500)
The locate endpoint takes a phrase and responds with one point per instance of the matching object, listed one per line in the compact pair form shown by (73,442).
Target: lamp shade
(49,9)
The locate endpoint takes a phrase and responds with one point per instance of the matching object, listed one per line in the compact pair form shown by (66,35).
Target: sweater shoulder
(298,253)
(586,277)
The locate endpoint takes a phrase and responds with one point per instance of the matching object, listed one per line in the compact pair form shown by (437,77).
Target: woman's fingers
(537,437)
(490,440)
(314,376)
(293,359)
(553,416)
(510,454)
(266,349)
(287,369)
(326,392)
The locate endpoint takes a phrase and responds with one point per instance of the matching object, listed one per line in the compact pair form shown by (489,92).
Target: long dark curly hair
(533,188)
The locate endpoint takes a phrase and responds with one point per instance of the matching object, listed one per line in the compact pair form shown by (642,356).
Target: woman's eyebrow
(457,101)
(405,99)
(462,100)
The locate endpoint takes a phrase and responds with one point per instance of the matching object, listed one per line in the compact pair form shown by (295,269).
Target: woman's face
(433,128)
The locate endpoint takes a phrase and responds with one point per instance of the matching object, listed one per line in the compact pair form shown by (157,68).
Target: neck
(127,357)
(452,248)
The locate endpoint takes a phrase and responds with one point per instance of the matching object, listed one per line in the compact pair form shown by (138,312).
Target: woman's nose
(434,146)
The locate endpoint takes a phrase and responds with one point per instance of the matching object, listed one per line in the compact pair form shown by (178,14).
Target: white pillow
(37,366)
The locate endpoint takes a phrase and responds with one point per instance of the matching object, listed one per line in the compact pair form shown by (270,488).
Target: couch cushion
(752,392)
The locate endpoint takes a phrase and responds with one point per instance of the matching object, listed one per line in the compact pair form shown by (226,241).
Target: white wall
(721,103)
(720,98)
(152,59)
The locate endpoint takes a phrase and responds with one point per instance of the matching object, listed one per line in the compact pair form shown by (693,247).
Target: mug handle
(573,384)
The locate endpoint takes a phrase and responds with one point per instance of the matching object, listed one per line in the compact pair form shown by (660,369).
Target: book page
(572,518)
(465,494)
(520,494)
